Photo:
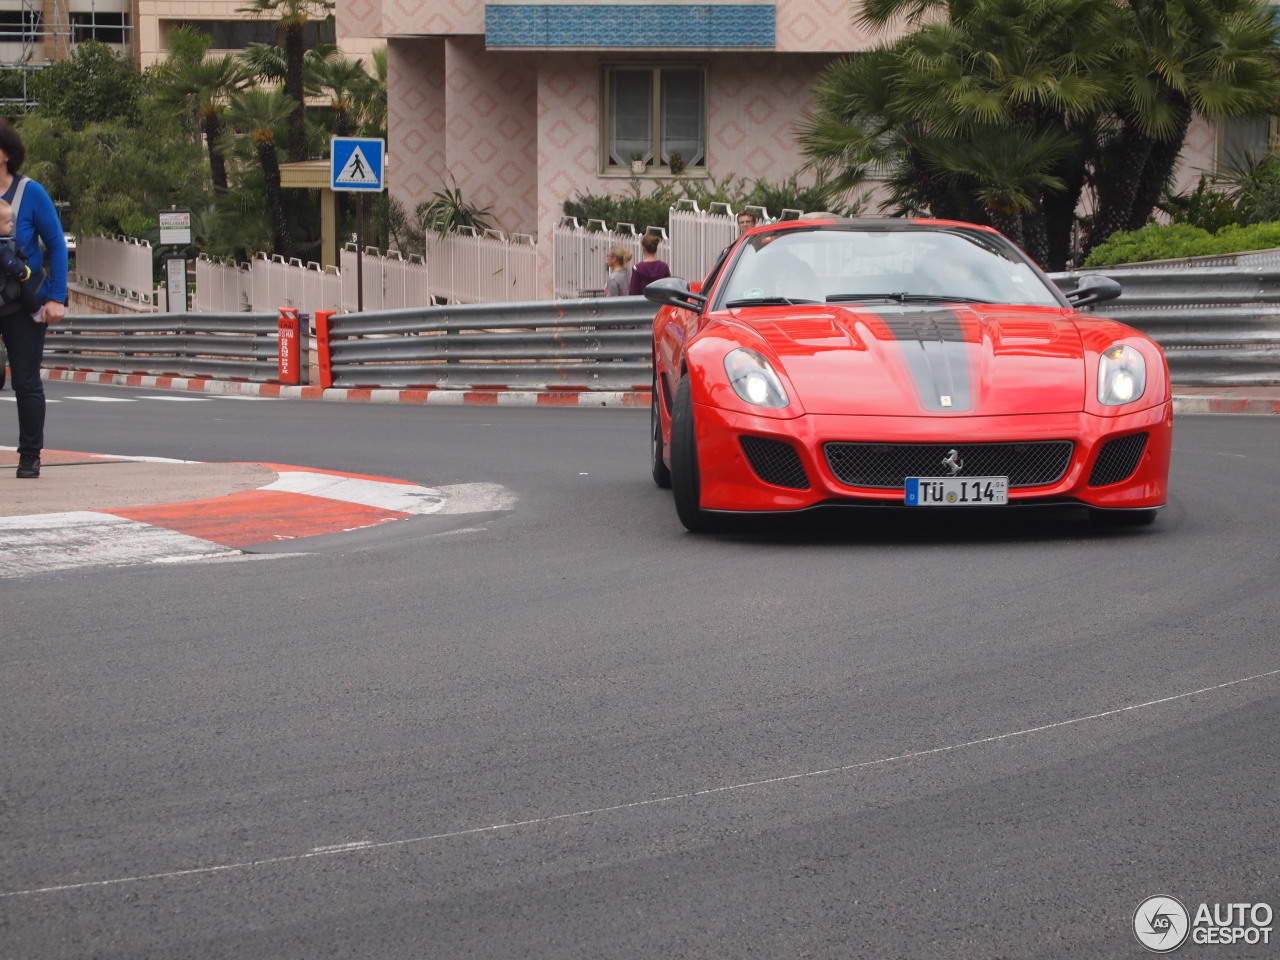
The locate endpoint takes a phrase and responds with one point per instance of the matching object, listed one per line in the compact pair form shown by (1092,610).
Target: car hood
(888,360)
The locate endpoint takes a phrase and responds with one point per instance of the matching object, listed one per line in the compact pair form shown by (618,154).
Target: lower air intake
(1118,459)
(775,462)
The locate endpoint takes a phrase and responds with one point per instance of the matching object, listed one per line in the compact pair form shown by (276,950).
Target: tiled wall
(618,25)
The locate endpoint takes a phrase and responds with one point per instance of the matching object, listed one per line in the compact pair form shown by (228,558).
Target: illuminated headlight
(754,380)
(1122,375)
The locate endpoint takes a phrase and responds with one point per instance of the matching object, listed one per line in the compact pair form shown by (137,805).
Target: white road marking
(476,498)
(104,399)
(366,845)
(43,543)
(400,497)
(179,399)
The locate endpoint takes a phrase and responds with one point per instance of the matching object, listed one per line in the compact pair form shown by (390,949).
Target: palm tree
(976,117)
(258,114)
(1087,89)
(346,82)
(291,18)
(191,81)
(374,121)
(1177,57)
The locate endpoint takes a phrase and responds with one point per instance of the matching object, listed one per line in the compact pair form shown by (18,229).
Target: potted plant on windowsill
(676,162)
(637,164)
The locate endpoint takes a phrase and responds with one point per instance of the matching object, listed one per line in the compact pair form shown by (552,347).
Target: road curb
(429,396)
(1188,404)
(1226,404)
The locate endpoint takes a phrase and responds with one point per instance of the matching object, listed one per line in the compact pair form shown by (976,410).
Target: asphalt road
(574,730)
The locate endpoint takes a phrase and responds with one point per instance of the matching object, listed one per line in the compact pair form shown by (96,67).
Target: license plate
(957,491)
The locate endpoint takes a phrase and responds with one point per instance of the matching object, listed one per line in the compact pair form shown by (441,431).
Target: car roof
(903,224)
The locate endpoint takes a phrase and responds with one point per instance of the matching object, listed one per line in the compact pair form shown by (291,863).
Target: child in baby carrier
(17,286)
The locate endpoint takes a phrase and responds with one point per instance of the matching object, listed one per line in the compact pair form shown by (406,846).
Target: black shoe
(28,467)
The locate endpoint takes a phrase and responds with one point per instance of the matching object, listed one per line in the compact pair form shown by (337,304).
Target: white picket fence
(462,267)
(120,266)
(579,249)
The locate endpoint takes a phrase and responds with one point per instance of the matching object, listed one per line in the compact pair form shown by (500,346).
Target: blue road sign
(356,163)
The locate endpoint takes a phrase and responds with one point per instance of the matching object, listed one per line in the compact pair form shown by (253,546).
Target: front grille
(775,462)
(1118,459)
(887,465)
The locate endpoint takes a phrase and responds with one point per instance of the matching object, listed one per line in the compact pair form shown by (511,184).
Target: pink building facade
(523,105)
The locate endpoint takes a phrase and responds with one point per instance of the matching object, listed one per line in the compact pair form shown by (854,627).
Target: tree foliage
(1008,112)
(95,84)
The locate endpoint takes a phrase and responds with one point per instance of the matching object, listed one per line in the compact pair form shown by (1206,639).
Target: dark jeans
(24,339)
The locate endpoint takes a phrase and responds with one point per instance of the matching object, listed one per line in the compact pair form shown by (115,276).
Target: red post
(322,348)
(290,368)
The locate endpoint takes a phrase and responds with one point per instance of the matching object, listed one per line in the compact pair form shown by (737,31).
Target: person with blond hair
(618,260)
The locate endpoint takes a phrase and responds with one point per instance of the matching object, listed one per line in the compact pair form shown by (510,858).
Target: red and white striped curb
(431,396)
(299,503)
(1227,401)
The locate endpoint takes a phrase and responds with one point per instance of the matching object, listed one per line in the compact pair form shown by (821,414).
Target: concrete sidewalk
(87,481)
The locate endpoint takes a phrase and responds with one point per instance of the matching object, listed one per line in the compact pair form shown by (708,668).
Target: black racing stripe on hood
(933,346)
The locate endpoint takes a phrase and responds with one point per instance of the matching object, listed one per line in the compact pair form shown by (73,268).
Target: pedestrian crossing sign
(356,163)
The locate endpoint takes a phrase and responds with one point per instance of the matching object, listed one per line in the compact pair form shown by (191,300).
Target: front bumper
(729,481)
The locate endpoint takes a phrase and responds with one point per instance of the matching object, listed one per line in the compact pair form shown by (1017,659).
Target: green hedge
(1179,240)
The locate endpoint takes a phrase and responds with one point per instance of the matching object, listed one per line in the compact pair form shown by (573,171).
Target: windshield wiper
(903,298)
(767,302)
(848,297)
(939,297)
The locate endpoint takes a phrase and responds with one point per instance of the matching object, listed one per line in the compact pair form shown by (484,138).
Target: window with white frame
(655,114)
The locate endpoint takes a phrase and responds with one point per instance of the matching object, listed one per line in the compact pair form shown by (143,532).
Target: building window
(1244,141)
(656,114)
(105,27)
(239,34)
(15,25)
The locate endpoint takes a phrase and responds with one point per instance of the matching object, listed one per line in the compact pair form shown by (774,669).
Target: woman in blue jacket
(38,233)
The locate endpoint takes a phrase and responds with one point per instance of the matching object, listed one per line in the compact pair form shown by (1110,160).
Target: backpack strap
(16,202)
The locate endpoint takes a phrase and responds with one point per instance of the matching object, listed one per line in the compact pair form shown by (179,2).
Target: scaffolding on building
(36,33)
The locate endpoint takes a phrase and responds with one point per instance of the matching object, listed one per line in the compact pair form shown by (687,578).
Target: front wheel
(686,483)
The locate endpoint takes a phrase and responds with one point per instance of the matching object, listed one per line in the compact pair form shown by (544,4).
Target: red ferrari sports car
(918,363)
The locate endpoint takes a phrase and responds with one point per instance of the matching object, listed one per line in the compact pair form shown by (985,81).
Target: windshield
(835,264)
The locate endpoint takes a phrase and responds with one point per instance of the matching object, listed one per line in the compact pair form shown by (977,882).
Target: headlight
(754,380)
(1122,375)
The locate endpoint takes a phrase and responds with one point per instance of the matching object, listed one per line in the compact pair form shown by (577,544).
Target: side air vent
(1118,459)
(775,462)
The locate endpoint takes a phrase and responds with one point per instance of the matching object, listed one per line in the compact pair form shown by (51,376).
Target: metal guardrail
(588,344)
(241,346)
(1218,325)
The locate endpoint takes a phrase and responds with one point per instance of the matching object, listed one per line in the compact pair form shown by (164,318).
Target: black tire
(661,472)
(1123,518)
(686,484)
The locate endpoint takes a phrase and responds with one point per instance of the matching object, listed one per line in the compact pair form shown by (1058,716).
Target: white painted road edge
(703,793)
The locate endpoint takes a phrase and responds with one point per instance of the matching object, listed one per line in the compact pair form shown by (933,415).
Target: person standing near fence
(618,261)
(38,234)
(650,268)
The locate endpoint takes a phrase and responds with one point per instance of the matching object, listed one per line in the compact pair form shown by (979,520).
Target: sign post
(356,165)
(175,276)
(175,231)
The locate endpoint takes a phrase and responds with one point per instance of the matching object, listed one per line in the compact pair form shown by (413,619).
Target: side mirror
(674,292)
(1093,288)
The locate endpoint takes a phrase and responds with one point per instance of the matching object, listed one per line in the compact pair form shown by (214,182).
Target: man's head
(746,220)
